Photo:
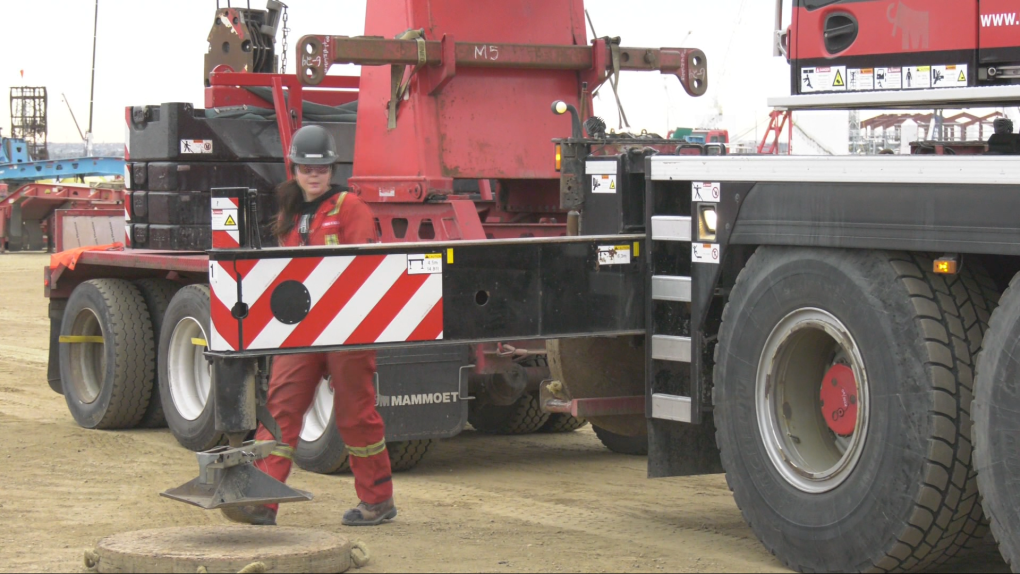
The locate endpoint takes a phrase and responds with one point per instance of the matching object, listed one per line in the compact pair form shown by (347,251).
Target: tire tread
(563,422)
(134,356)
(993,497)
(405,455)
(157,294)
(523,417)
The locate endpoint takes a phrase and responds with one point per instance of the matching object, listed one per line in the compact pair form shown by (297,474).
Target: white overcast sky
(152,51)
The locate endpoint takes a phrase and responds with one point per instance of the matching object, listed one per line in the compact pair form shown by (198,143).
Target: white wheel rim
(189,372)
(88,360)
(317,417)
(797,354)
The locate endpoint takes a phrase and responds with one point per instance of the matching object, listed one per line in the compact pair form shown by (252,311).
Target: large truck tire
(997,426)
(157,294)
(108,359)
(406,454)
(523,417)
(632,445)
(185,376)
(321,450)
(562,422)
(881,478)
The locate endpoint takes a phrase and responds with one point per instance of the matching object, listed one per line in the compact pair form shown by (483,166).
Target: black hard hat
(312,145)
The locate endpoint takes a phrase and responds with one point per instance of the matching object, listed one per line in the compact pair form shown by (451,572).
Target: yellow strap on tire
(81,339)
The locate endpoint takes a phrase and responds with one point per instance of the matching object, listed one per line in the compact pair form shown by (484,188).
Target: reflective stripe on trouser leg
(367,451)
(360,424)
(292,386)
(283,451)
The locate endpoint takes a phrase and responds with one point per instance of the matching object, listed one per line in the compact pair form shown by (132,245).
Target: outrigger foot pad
(228,478)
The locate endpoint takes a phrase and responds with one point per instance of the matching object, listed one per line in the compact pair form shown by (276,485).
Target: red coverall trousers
(342,219)
(291,391)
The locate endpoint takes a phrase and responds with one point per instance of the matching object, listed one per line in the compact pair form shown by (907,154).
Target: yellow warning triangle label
(612,185)
(963,76)
(838,82)
(230,221)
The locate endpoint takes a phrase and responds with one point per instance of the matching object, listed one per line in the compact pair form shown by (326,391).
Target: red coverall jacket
(340,220)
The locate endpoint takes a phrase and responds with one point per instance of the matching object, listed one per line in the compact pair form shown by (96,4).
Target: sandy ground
(538,503)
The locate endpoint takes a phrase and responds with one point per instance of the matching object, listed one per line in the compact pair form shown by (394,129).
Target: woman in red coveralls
(313,212)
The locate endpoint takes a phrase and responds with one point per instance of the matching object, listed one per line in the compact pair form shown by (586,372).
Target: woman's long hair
(289,198)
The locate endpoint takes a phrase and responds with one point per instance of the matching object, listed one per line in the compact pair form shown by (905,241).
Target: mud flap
(681,449)
(420,395)
(53,367)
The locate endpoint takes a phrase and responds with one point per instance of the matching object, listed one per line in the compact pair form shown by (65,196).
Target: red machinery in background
(37,202)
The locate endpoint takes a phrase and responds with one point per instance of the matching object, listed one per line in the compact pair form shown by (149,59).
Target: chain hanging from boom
(614,79)
(283,63)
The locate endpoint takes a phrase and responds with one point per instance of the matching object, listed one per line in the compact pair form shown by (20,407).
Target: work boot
(254,515)
(370,514)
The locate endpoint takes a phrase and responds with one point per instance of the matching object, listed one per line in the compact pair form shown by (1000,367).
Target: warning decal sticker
(224,220)
(426,264)
(196,146)
(917,77)
(603,184)
(888,78)
(705,253)
(614,254)
(839,78)
(949,76)
(823,79)
(860,79)
(705,192)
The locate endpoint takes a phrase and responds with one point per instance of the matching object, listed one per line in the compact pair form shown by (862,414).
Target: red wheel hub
(839,400)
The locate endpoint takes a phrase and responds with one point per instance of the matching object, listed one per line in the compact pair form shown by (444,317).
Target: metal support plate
(669,348)
(671,408)
(666,288)
(671,228)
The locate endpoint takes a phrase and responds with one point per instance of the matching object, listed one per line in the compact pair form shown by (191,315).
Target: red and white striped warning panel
(224,223)
(327,301)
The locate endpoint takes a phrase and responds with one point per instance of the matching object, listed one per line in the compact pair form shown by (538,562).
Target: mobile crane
(822,329)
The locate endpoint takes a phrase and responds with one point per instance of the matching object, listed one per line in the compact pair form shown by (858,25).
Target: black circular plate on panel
(290,302)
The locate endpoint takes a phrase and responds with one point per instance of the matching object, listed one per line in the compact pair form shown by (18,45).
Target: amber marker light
(948,265)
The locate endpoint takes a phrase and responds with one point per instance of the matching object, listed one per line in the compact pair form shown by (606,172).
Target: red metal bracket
(399,189)
(288,117)
(318,53)
(226,89)
(439,77)
(584,408)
